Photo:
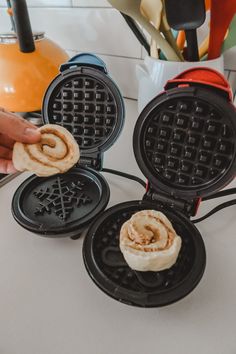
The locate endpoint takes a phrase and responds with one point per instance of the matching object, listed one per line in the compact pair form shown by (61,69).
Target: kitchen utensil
(221,18)
(184,143)
(86,101)
(204,47)
(187,15)
(132,9)
(181,37)
(203,50)
(166,30)
(181,40)
(152,10)
(230,40)
(26,72)
(137,32)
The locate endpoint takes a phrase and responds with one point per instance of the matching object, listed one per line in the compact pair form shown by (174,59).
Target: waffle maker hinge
(94,161)
(187,207)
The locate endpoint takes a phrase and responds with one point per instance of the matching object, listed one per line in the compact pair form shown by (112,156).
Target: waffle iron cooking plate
(87,102)
(184,143)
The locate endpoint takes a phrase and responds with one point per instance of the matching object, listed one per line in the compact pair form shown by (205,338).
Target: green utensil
(174,33)
(230,40)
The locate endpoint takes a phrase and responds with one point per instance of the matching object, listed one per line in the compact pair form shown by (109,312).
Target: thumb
(18,129)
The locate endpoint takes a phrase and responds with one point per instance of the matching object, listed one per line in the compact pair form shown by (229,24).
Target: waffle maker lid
(86,101)
(185,139)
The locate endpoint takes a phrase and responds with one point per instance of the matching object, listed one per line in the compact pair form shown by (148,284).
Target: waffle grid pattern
(188,142)
(86,108)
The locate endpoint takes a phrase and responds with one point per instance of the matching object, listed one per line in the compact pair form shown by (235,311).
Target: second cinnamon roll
(149,242)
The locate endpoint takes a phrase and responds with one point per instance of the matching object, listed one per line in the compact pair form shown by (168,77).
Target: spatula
(181,36)
(166,30)
(222,13)
(230,40)
(187,15)
(132,9)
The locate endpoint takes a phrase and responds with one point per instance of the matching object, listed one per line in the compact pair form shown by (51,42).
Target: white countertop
(49,304)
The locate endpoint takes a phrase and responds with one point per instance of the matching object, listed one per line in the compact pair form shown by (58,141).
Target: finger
(6,141)
(5,153)
(18,128)
(7,167)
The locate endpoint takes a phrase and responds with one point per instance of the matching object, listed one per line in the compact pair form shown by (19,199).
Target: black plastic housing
(184,142)
(108,269)
(86,101)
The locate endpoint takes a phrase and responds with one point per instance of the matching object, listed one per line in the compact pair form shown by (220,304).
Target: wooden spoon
(132,8)
(152,10)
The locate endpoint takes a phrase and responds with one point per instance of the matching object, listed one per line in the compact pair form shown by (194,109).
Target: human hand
(14,128)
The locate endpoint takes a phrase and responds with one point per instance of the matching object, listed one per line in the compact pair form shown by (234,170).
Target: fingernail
(31,132)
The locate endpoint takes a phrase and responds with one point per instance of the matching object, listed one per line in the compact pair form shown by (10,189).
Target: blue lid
(84,59)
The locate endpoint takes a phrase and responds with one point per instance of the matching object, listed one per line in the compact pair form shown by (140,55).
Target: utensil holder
(153,74)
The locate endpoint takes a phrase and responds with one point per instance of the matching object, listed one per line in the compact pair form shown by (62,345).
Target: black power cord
(215,210)
(220,194)
(219,207)
(125,175)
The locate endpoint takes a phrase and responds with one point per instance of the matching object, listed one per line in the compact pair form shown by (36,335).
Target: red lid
(203,76)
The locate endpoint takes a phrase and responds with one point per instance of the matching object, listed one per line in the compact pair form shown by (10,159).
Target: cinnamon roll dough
(57,152)
(149,242)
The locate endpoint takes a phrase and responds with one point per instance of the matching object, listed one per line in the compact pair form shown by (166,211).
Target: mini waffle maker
(86,101)
(184,143)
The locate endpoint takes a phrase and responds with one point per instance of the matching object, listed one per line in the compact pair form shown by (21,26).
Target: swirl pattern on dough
(57,152)
(148,241)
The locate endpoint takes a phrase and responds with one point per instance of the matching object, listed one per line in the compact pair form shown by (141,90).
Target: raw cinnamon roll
(149,242)
(57,152)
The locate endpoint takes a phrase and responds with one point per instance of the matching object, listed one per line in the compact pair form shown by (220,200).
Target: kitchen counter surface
(49,304)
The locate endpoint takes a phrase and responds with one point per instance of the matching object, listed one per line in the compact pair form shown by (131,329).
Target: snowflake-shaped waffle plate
(61,198)
(62,205)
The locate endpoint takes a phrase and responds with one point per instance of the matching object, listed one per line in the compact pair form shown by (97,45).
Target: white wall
(87,26)
(93,26)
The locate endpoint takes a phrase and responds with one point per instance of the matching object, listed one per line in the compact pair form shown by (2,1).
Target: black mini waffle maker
(184,143)
(86,101)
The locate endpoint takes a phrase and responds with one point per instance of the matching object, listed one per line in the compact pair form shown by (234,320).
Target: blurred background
(93,26)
